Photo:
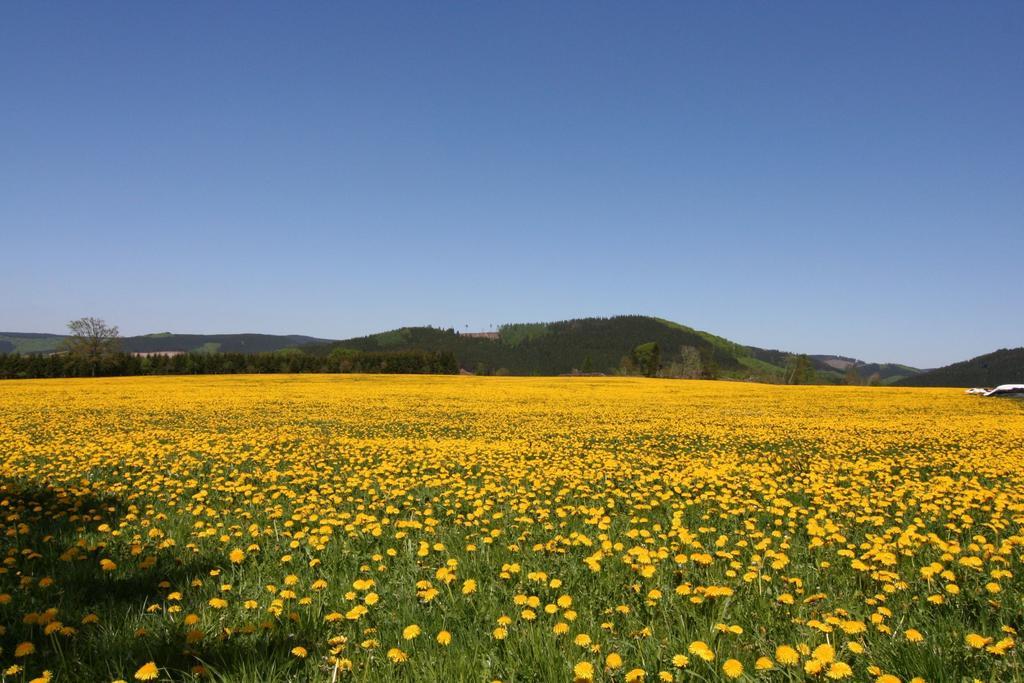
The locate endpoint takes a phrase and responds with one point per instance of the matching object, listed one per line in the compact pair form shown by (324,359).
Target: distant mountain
(1005,366)
(588,344)
(583,345)
(597,345)
(27,342)
(886,373)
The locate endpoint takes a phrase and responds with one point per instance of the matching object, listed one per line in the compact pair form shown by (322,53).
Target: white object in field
(1006,389)
(976,390)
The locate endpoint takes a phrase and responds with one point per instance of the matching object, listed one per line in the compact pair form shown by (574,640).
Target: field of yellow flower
(383,528)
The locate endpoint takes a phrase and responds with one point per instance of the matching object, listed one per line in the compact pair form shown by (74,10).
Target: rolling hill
(27,342)
(582,345)
(598,345)
(1005,366)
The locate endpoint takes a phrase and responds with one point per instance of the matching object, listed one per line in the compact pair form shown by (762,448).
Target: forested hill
(1005,366)
(630,344)
(589,345)
(598,345)
(27,342)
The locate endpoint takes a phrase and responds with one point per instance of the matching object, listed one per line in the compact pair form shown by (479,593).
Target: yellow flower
(887,678)
(108,565)
(680,661)
(976,641)
(444,637)
(299,651)
(732,668)
(147,672)
(913,635)
(410,631)
(236,556)
(824,653)
(700,649)
(852,627)
(583,671)
(635,675)
(397,656)
(468,587)
(838,670)
(613,660)
(784,654)
(764,663)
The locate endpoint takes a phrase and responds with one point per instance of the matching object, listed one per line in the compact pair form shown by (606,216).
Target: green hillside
(587,345)
(31,343)
(593,344)
(836,367)
(1005,366)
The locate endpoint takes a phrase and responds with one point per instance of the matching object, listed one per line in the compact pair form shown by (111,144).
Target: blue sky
(819,177)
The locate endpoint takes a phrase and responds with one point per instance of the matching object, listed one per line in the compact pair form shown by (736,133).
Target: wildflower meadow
(430,528)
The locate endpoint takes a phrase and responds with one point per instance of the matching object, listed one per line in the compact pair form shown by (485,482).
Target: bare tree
(92,341)
(689,358)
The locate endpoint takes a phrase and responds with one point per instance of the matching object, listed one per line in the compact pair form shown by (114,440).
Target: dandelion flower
(976,641)
(838,670)
(732,668)
(147,672)
(583,671)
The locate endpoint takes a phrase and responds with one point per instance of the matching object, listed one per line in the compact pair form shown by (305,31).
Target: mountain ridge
(1003,366)
(591,344)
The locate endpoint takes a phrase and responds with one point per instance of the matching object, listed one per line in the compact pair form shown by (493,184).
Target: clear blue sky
(820,177)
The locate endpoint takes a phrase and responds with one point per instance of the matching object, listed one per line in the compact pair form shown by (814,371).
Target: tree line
(93,350)
(116,364)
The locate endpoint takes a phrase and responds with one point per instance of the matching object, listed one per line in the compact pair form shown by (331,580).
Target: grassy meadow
(432,528)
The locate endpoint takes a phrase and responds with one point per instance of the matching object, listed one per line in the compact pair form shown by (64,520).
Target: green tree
(648,358)
(709,366)
(588,365)
(800,370)
(92,343)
